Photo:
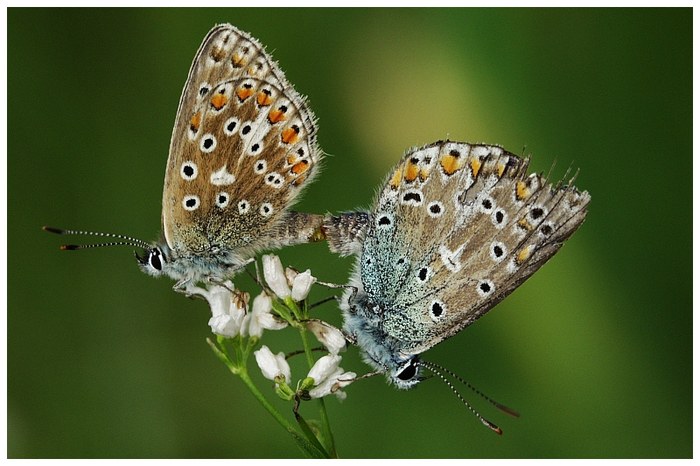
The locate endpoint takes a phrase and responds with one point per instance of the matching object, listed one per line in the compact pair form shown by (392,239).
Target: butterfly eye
(154,259)
(408,372)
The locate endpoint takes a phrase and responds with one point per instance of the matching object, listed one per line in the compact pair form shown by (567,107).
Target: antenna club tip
(507,410)
(69,247)
(492,426)
(58,231)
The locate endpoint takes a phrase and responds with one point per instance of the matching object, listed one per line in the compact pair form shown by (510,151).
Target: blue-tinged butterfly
(455,228)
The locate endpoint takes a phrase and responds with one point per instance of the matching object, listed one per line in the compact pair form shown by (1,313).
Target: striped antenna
(441,371)
(126,240)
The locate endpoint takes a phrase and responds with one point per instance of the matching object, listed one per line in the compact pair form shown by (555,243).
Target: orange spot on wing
(217,54)
(299,180)
(524,254)
(264,98)
(411,171)
(244,92)
(237,60)
(525,225)
(291,159)
(396,180)
(218,101)
(275,116)
(300,167)
(521,190)
(475,165)
(195,121)
(424,172)
(501,168)
(290,135)
(450,164)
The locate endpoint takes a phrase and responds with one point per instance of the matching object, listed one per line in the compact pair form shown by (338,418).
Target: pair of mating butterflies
(454,230)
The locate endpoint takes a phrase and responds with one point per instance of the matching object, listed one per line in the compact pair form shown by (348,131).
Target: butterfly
(242,149)
(455,229)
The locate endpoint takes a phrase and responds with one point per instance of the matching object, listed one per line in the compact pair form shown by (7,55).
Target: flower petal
(283,366)
(271,364)
(332,338)
(324,368)
(228,308)
(262,318)
(302,285)
(224,325)
(333,385)
(274,275)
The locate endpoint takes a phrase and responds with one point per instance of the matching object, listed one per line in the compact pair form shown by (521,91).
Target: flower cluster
(276,309)
(324,378)
(229,311)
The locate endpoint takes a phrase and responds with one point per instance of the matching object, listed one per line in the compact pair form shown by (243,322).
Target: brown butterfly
(242,149)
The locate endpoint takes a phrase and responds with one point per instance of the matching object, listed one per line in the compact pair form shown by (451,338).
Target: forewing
(243,146)
(463,226)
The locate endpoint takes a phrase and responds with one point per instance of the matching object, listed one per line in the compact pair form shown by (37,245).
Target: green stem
(243,374)
(308,431)
(303,443)
(239,368)
(322,406)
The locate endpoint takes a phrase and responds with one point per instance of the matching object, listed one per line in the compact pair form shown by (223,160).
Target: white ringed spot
(230,126)
(188,171)
(222,199)
(266,209)
(190,202)
(208,143)
(243,206)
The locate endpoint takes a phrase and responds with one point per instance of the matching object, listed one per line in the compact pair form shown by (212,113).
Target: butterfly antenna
(126,240)
(483,420)
(432,366)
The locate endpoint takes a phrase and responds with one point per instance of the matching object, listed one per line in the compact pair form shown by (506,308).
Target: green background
(594,350)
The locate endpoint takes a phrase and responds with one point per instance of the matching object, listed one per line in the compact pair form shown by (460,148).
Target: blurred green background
(594,350)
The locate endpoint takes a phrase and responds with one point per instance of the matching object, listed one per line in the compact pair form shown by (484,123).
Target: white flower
(333,384)
(324,367)
(228,309)
(272,365)
(329,378)
(301,285)
(332,338)
(274,275)
(261,317)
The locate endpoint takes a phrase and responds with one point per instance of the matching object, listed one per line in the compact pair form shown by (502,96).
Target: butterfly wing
(456,228)
(243,146)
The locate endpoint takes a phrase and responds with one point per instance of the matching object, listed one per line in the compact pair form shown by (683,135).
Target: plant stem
(322,406)
(243,374)
(303,443)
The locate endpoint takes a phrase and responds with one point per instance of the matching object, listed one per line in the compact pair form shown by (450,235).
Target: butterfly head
(153,262)
(379,350)
(406,375)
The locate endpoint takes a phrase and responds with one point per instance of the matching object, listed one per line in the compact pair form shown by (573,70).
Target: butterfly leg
(188,288)
(218,281)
